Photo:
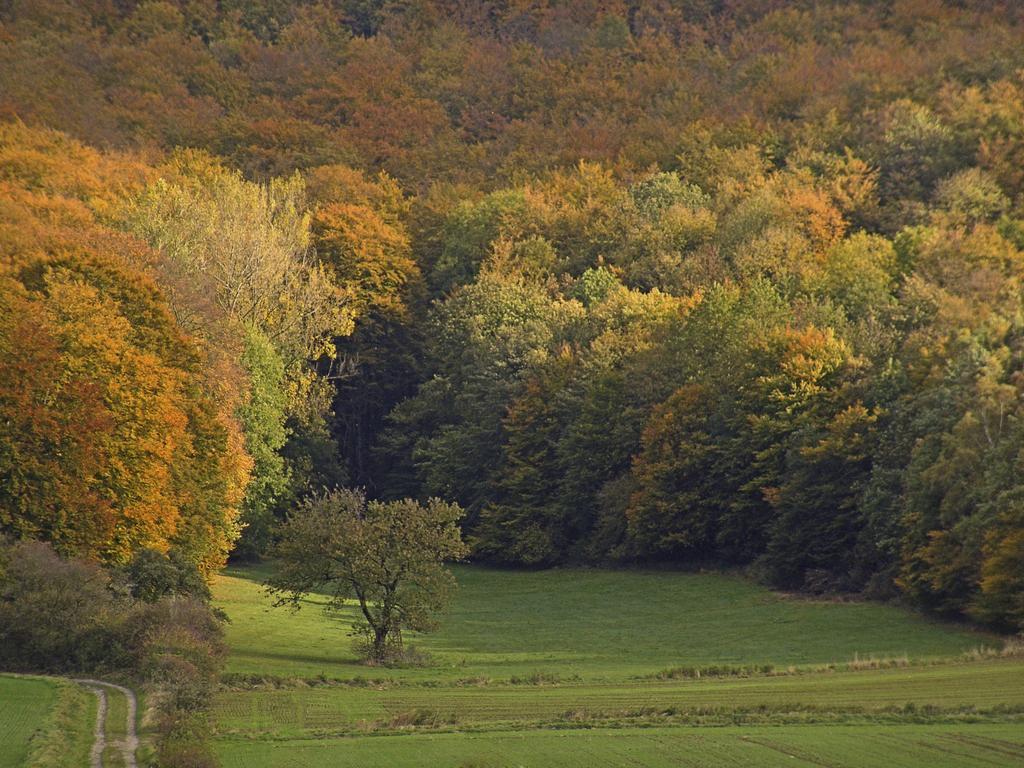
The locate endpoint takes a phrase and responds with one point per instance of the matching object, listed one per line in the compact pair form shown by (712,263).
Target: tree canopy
(723,283)
(389,556)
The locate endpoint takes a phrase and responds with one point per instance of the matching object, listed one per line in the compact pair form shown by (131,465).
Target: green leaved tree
(389,556)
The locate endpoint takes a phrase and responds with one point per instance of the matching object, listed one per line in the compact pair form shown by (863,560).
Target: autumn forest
(699,284)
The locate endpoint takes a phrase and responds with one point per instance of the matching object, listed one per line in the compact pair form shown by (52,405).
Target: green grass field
(765,747)
(24,704)
(561,668)
(985,686)
(44,723)
(593,624)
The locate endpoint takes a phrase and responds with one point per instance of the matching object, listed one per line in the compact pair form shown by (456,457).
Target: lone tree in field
(389,556)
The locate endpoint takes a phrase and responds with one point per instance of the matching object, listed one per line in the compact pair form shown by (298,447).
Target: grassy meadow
(565,667)
(587,623)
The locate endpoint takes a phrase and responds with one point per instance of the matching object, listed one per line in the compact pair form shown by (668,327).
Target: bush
(56,615)
(177,645)
(152,575)
(61,615)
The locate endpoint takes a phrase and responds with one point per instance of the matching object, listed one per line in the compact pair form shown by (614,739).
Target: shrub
(177,645)
(152,575)
(55,614)
(69,615)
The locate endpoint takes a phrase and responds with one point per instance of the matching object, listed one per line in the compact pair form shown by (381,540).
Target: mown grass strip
(117,710)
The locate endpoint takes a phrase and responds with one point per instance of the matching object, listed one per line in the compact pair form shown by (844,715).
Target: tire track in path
(130,742)
(99,739)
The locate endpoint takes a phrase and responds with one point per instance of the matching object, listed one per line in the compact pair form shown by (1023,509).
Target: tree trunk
(380,643)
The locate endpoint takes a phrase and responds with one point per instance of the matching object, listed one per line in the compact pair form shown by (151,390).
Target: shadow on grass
(257,573)
(285,655)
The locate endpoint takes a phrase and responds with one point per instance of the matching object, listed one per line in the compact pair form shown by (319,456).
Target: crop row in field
(985,685)
(45,722)
(907,746)
(25,704)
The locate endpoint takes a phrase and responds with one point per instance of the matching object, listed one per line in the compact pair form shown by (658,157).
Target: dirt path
(131,740)
(99,740)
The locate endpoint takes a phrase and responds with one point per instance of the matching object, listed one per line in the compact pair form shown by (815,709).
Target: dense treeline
(719,282)
(839,408)
(155,335)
